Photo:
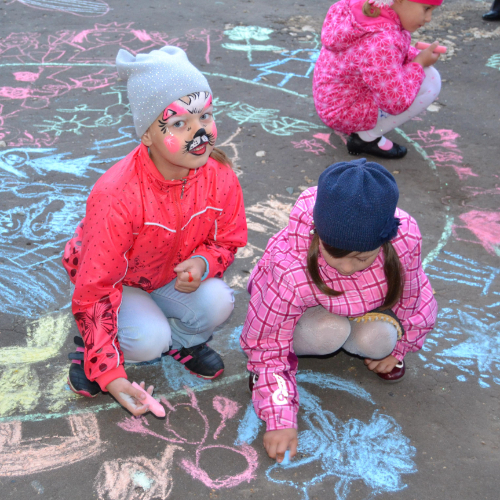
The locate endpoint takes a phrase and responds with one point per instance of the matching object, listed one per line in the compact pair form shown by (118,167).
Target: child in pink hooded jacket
(368,79)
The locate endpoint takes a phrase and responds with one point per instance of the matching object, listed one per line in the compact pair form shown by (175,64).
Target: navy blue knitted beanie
(355,206)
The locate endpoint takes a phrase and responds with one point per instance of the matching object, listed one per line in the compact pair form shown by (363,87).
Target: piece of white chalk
(440,49)
(154,405)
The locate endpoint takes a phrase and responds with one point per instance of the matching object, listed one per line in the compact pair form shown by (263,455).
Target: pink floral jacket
(365,64)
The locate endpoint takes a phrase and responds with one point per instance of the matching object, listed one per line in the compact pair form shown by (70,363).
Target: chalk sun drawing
(186,438)
(376,452)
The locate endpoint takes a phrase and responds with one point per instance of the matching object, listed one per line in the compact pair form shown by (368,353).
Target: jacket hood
(345,24)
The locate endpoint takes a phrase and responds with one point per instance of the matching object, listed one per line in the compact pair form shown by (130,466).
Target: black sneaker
(356,146)
(201,360)
(77,380)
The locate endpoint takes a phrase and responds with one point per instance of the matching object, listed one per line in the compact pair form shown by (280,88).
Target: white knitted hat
(156,80)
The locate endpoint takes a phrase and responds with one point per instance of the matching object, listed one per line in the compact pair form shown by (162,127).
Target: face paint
(172,143)
(198,145)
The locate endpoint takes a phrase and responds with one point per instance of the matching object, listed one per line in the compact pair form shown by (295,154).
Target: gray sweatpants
(151,324)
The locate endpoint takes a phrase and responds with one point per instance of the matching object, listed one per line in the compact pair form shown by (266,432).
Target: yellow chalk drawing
(19,382)
(56,392)
(44,339)
(19,390)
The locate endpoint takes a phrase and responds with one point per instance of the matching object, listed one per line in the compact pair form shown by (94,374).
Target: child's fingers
(280,451)
(271,450)
(150,390)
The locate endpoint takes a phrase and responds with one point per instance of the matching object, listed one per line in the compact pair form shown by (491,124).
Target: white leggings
(321,332)
(431,86)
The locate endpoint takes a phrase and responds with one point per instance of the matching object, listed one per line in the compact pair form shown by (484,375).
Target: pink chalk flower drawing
(141,478)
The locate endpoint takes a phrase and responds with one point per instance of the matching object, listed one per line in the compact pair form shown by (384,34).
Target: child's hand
(189,274)
(384,365)
(277,442)
(129,397)
(427,57)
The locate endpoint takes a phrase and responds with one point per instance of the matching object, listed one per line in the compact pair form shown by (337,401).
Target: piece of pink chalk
(155,406)
(440,49)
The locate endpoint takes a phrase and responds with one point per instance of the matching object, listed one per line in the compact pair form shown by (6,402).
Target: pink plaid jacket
(281,290)
(365,64)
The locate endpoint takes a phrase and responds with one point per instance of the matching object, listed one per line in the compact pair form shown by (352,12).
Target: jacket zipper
(178,227)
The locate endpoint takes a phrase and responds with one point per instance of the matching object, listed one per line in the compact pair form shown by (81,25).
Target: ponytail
(392,270)
(219,156)
(370,10)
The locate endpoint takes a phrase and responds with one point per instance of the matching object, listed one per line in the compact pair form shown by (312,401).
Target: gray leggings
(321,332)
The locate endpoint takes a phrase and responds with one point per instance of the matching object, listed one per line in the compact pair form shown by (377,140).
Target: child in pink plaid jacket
(345,273)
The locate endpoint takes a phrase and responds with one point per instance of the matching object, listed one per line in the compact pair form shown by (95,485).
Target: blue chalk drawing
(271,120)
(22,163)
(249,427)
(466,340)
(290,59)
(234,338)
(494,62)
(376,452)
(178,377)
(86,117)
(247,33)
(454,268)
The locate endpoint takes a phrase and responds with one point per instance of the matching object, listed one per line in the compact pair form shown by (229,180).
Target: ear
(146,138)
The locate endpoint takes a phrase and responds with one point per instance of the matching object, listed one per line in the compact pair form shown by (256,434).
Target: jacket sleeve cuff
(285,419)
(204,277)
(107,377)
(400,351)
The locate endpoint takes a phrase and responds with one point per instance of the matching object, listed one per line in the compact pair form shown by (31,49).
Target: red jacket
(137,228)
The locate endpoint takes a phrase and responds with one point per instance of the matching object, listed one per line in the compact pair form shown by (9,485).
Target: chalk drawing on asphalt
(246,34)
(83,8)
(302,60)
(376,453)
(20,457)
(194,440)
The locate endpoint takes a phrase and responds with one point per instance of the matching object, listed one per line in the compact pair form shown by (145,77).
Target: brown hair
(370,10)
(392,270)
(219,155)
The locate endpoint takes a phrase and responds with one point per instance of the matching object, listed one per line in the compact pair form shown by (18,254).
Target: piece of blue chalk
(286,459)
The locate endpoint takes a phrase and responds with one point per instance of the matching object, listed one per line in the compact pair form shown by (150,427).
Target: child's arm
(417,307)
(229,230)
(107,237)
(267,339)
(394,84)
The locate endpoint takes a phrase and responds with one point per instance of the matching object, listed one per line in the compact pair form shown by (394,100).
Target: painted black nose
(200,133)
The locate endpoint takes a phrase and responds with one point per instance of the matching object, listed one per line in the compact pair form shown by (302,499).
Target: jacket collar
(154,176)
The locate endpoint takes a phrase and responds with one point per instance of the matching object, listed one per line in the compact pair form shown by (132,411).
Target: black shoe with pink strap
(77,380)
(201,360)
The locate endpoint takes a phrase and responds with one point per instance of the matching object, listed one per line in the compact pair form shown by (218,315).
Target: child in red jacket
(161,227)
(368,79)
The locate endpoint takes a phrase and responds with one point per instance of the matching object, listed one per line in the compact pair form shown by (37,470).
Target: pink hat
(387,3)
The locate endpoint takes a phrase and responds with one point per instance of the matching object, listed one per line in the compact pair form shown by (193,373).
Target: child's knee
(374,340)
(320,332)
(146,341)
(217,301)
(432,83)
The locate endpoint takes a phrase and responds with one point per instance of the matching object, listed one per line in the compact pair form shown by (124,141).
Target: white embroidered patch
(281,393)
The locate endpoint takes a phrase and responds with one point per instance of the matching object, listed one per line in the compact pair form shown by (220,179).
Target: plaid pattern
(281,290)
